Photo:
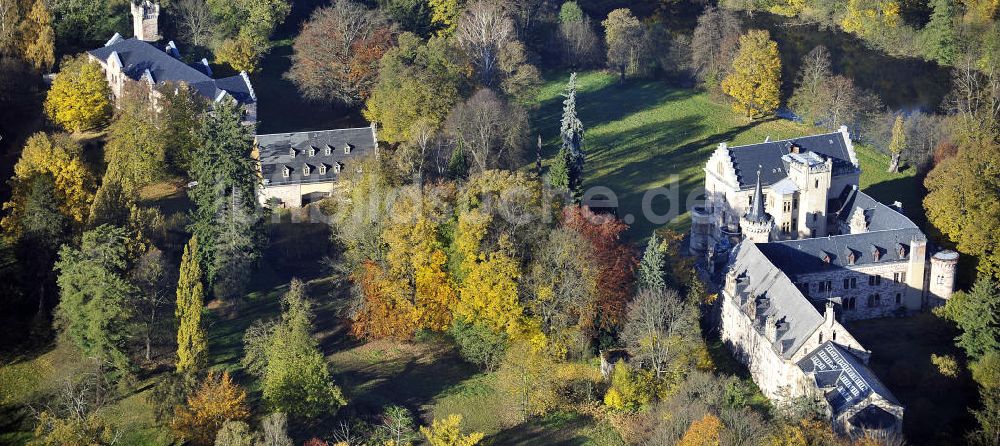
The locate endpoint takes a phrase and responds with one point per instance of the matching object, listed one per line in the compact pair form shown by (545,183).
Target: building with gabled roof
(794,348)
(139,59)
(299,168)
(806,249)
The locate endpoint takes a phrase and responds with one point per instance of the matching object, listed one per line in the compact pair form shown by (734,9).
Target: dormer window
(306,169)
(291,152)
(322,169)
(876,253)
(347,149)
(827,258)
(328,150)
(286,171)
(851,258)
(336,167)
(902,251)
(312,151)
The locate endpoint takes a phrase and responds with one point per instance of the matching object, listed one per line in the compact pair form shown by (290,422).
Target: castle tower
(812,174)
(145,16)
(757,224)
(942,280)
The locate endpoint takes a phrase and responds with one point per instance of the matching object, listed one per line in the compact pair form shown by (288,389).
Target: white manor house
(804,250)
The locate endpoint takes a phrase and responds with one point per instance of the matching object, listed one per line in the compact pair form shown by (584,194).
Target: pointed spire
(757,213)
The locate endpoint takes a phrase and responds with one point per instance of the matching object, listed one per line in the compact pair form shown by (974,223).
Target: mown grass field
(646,134)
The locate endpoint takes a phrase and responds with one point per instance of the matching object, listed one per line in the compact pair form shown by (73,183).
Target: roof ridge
(782,140)
(368,127)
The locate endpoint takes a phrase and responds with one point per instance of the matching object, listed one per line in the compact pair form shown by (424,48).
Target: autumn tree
(627,42)
(489,296)
(448,432)
(419,83)
(563,291)
(871,19)
(295,376)
(714,45)
(898,144)
(962,203)
(580,44)
(243,52)
(704,432)
(336,56)
(614,261)
(79,98)
(756,76)
(483,31)
(61,158)
(491,131)
(39,38)
(812,86)
(195,22)
(136,150)
(192,344)
(444,15)
(96,297)
(662,333)
(527,378)
(216,401)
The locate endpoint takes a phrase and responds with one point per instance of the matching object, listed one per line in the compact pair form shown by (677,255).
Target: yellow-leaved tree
(489,297)
(756,75)
(218,400)
(448,432)
(868,18)
(80,98)
(244,51)
(62,158)
(39,38)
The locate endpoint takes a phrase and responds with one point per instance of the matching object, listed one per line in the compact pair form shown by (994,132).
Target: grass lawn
(936,405)
(646,134)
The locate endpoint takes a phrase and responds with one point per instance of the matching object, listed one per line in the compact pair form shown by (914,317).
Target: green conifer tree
(938,37)
(652,264)
(191,342)
(571,132)
(559,174)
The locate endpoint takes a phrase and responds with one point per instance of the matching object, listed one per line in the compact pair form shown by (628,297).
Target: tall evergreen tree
(559,173)
(95,297)
(651,267)
(225,172)
(236,247)
(571,132)
(191,342)
(939,35)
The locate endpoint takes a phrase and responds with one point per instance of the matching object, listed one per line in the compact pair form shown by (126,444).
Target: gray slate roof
(138,56)
(809,255)
(845,379)
(759,279)
(879,216)
(275,153)
(768,155)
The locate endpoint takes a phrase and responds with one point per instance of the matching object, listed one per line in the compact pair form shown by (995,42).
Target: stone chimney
(145,18)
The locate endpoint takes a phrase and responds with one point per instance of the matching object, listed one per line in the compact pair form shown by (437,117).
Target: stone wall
(861,285)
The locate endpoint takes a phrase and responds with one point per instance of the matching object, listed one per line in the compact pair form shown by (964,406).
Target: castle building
(810,251)
(303,167)
(139,59)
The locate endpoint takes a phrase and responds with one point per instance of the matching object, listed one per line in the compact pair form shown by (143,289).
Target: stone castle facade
(805,249)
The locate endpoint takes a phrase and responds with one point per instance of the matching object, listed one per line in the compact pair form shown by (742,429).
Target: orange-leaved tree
(615,261)
(218,400)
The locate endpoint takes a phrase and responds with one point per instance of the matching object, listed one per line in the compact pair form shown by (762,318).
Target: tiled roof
(878,216)
(276,154)
(768,155)
(811,254)
(844,378)
(137,57)
(759,279)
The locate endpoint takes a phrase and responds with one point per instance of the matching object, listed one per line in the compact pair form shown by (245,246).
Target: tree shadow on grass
(555,431)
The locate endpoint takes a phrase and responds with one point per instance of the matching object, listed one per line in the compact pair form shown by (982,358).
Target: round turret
(942,282)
